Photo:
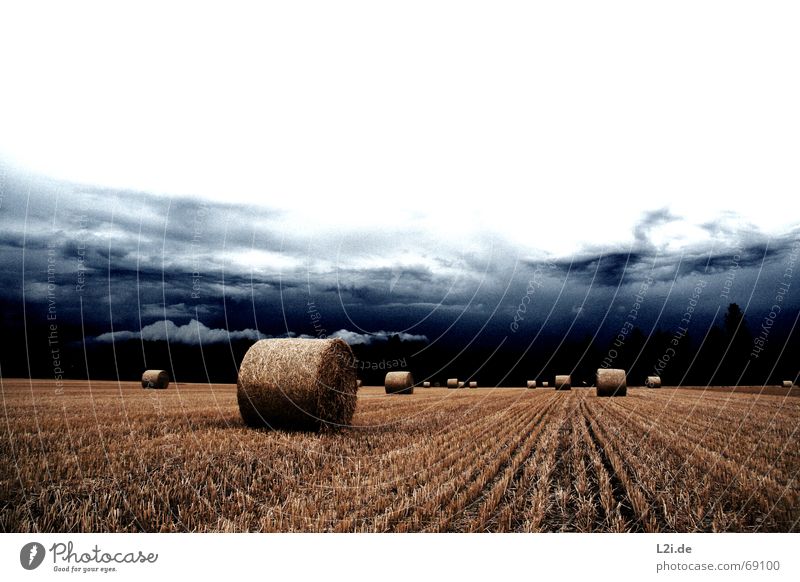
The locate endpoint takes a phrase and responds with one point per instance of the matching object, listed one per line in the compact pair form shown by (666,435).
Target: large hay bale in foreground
(473,384)
(788,383)
(426,384)
(399,383)
(155,379)
(299,384)
(531,384)
(611,382)
(452,382)
(563,382)
(653,382)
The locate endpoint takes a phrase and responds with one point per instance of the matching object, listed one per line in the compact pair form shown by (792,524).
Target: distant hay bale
(297,384)
(545,384)
(788,383)
(473,384)
(461,384)
(452,382)
(611,382)
(563,382)
(155,379)
(358,383)
(399,383)
(426,384)
(653,382)
(531,383)
(436,385)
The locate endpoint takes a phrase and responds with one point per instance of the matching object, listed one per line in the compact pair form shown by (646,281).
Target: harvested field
(769,390)
(113,457)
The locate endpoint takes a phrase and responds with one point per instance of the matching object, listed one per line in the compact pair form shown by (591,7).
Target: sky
(422,169)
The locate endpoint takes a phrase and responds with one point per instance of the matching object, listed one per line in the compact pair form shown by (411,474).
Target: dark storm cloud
(144,259)
(718,262)
(132,251)
(148,259)
(607,270)
(616,267)
(613,269)
(754,256)
(743,249)
(384,286)
(11,240)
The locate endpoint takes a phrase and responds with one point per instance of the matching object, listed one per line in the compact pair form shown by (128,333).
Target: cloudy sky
(425,168)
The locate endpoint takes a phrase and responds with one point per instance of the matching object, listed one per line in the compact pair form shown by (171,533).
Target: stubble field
(104,456)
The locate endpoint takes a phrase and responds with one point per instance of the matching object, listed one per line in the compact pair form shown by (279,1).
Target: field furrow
(761,437)
(724,494)
(417,481)
(627,498)
(507,471)
(510,509)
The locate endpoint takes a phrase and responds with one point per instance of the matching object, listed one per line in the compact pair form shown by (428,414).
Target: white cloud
(354,338)
(193,332)
(196,332)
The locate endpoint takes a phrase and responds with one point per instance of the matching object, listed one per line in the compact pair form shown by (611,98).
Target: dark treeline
(727,354)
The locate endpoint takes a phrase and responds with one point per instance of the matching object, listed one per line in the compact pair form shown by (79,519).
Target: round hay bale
(158,379)
(531,383)
(473,384)
(563,382)
(653,382)
(788,383)
(452,382)
(461,384)
(436,385)
(399,383)
(426,384)
(611,382)
(297,384)
(545,384)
